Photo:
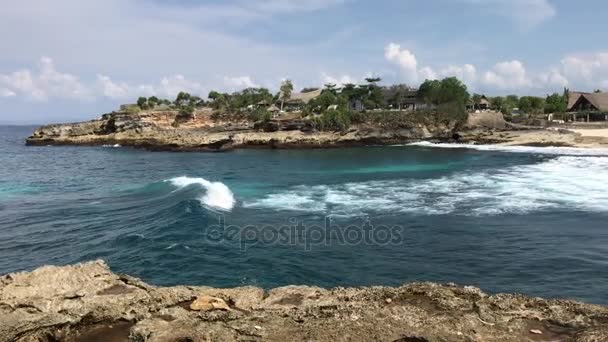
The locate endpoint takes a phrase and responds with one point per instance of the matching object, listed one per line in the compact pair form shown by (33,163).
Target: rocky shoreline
(88,302)
(157,131)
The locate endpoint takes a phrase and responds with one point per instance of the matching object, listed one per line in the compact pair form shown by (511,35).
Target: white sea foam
(567,181)
(217,195)
(566,151)
(112,146)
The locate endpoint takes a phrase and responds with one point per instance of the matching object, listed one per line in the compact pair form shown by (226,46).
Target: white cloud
(7,93)
(405,59)
(339,81)
(591,71)
(427,73)
(553,79)
(524,13)
(466,73)
(168,87)
(238,83)
(287,6)
(41,84)
(507,76)
(586,69)
(111,89)
(171,86)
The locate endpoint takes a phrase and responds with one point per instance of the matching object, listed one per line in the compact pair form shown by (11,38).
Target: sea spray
(549,150)
(217,196)
(521,189)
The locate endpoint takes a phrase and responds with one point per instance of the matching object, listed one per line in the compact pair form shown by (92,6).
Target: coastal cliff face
(158,131)
(164,131)
(87,302)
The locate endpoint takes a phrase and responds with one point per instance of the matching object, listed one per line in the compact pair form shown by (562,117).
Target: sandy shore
(601,133)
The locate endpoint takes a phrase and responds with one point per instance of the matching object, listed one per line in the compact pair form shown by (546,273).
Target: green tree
(497,102)
(556,103)
(513,99)
(330,87)
(213,95)
(260,114)
(286,90)
(153,101)
(322,103)
(374,98)
(182,99)
(476,99)
(525,105)
(448,90)
(429,91)
(395,95)
(142,102)
(333,120)
(538,104)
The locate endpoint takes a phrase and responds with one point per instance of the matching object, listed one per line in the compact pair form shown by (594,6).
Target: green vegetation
(533,105)
(151,102)
(556,103)
(260,114)
(435,102)
(333,120)
(286,90)
(450,98)
(237,101)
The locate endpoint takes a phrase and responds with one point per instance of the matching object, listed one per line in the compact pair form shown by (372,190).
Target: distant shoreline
(155,131)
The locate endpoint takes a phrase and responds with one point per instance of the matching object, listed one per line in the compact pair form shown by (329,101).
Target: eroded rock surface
(87,302)
(158,131)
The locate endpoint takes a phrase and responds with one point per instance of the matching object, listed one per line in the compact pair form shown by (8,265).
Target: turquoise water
(507,220)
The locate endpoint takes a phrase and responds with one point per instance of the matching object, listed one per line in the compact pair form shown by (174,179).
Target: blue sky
(72,59)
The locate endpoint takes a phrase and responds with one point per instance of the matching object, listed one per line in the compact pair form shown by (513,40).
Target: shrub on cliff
(142,102)
(186,113)
(333,120)
(260,114)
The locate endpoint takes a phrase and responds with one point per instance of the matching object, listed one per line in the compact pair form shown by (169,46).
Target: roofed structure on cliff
(587,102)
(483,104)
(305,97)
(297,100)
(411,101)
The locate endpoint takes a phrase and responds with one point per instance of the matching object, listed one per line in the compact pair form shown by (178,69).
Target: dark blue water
(521,220)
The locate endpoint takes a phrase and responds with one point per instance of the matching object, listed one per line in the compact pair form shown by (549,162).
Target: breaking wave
(217,195)
(579,183)
(566,151)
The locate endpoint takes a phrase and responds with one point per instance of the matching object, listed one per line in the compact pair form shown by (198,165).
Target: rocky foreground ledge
(87,302)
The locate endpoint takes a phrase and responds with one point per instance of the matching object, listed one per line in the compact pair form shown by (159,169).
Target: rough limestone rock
(490,120)
(157,131)
(208,303)
(87,302)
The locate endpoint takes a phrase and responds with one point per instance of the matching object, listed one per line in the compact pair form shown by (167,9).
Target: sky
(66,60)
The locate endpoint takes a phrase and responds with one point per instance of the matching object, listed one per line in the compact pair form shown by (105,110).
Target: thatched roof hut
(304,97)
(578,101)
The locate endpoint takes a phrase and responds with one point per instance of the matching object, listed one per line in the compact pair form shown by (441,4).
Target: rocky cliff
(87,302)
(163,131)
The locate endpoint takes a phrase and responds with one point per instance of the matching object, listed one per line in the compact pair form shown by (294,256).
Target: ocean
(506,219)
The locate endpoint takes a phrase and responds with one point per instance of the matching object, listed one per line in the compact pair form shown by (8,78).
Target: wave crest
(519,189)
(217,196)
(555,150)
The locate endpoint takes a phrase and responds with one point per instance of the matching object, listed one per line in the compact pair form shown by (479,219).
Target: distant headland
(350,115)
